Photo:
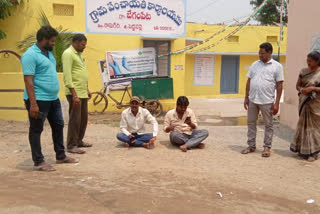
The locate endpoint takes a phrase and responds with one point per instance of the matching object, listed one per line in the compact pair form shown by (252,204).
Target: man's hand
(275,108)
(89,95)
(188,121)
(76,101)
(34,110)
(307,91)
(246,103)
(131,136)
(170,129)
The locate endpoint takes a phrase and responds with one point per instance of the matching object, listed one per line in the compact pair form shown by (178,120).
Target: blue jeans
(140,139)
(53,112)
(192,141)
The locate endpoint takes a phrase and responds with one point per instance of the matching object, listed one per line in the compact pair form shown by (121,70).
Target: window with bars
(161,47)
(63,10)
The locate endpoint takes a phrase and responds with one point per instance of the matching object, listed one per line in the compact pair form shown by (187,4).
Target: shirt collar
(175,114)
(269,62)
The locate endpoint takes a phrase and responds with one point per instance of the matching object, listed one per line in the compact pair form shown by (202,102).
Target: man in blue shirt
(41,97)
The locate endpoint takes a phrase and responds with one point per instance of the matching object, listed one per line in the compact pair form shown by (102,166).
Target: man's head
(134,104)
(79,42)
(265,52)
(46,37)
(182,104)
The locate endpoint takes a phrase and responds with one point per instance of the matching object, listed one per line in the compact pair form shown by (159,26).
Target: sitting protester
(132,126)
(182,125)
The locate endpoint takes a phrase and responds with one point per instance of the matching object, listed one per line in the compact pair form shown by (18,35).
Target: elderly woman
(307,138)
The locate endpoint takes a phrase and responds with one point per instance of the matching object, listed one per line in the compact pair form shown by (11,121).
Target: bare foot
(146,145)
(184,148)
(201,146)
(126,145)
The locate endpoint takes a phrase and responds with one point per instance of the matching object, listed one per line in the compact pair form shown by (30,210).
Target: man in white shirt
(264,77)
(132,126)
(182,125)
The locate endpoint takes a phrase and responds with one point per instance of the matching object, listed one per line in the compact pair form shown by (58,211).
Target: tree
(63,40)
(6,8)
(270,14)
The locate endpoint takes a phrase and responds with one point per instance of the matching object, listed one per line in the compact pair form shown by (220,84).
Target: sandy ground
(114,179)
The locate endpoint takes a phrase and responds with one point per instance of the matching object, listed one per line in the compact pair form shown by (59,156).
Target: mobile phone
(188,118)
(40,115)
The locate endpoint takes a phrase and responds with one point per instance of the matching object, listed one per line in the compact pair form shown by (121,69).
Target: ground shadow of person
(167,144)
(27,164)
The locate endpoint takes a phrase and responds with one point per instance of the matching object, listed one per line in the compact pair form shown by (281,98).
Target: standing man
(41,97)
(77,92)
(264,77)
(182,125)
(132,126)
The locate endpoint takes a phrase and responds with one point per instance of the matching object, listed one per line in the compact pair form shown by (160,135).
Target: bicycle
(100,97)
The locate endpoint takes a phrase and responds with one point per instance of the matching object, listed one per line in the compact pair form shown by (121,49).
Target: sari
(307,137)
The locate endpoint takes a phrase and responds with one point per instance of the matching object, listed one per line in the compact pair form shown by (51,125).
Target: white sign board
(203,70)
(123,66)
(165,18)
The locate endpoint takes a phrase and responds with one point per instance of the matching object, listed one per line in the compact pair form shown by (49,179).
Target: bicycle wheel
(155,107)
(100,101)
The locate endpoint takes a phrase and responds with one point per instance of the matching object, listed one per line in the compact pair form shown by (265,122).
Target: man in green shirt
(77,92)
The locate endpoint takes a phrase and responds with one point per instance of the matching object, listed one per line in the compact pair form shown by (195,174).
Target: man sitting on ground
(182,125)
(132,126)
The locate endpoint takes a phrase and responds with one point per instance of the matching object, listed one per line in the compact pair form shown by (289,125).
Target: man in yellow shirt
(182,125)
(77,92)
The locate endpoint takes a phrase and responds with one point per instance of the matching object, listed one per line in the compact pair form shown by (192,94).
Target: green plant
(270,14)
(63,40)
(6,8)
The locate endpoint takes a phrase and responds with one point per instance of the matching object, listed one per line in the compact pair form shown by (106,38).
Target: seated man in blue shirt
(41,97)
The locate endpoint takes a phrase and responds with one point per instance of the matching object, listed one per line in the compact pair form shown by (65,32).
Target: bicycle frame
(119,104)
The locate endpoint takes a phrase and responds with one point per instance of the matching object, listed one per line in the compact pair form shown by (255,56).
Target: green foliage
(63,40)
(270,14)
(6,8)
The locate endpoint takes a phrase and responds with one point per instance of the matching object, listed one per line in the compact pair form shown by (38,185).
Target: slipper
(248,150)
(266,153)
(76,151)
(67,160)
(85,145)
(44,168)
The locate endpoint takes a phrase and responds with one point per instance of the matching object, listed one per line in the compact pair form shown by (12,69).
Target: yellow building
(219,71)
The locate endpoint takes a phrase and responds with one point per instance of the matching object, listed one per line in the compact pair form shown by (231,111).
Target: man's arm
(167,127)
(124,125)
(34,109)
(67,76)
(29,70)
(246,99)
(276,105)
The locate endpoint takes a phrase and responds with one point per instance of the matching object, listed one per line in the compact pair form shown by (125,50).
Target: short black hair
(182,101)
(46,32)
(79,37)
(267,46)
(315,55)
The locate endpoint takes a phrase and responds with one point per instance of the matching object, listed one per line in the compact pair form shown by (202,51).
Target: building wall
(299,45)
(24,23)
(214,90)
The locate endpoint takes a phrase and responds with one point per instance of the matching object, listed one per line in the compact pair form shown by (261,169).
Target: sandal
(248,150)
(85,145)
(67,160)
(44,168)
(266,153)
(76,150)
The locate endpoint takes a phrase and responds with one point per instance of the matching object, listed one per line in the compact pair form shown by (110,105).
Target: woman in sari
(307,137)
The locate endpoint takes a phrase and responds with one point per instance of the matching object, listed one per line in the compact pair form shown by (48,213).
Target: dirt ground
(114,179)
